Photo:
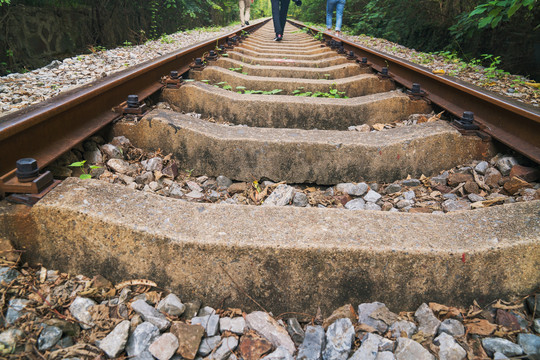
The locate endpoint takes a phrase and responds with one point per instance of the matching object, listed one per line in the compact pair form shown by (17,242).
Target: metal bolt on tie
(133,101)
(416,92)
(466,121)
(27,169)
(351,55)
(384,74)
(211,56)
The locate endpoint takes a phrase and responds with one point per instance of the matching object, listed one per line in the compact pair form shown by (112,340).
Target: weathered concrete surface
(286,61)
(332,72)
(282,111)
(312,156)
(359,85)
(258,54)
(287,259)
(291,51)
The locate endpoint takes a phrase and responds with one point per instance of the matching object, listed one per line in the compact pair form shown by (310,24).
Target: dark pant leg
(276,16)
(283,13)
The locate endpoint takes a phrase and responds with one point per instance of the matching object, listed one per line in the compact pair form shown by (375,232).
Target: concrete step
(331,72)
(286,61)
(359,85)
(289,51)
(286,258)
(257,54)
(313,156)
(282,111)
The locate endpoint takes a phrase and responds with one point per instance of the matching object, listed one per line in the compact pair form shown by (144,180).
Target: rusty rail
(514,124)
(47,130)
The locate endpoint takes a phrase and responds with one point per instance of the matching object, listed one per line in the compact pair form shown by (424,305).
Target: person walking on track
(338,5)
(279,15)
(244,6)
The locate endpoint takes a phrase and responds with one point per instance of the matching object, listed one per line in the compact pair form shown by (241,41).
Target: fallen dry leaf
(479,327)
(378,127)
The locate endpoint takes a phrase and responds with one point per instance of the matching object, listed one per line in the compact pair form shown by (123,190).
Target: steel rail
(514,124)
(47,130)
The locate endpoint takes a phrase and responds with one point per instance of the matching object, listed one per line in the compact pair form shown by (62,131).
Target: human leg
(283,13)
(340,6)
(241,5)
(330,5)
(275,17)
(246,15)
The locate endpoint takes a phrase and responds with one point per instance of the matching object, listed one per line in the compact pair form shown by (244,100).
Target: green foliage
(2,2)
(81,165)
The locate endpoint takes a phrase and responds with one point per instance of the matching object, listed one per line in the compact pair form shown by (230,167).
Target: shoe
(247,22)
(338,33)
(278,37)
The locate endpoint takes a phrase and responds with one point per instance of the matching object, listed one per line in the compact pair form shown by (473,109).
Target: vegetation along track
(288,258)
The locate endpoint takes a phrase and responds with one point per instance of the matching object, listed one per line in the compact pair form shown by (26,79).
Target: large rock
(253,346)
(8,274)
(164,347)
(208,344)
(452,327)
(314,343)
(353,189)
(369,348)
(403,327)
(530,344)
(122,167)
(356,204)
(281,196)
(189,338)
(236,325)
(385,355)
(114,343)
(141,339)
(427,322)
(49,336)
(339,340)
(364,316)
(171,305)
(210,323)
(224,350)
(508,348)
(505,164)
(449,349)
(270,329)
(408,349)
(372,196)
(153,164)
(79,309)
(112,152)
(148,313)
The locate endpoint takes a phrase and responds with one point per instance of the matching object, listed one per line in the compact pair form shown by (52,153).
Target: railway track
(250,84)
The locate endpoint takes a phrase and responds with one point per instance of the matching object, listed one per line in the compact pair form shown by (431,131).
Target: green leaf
(241,87)
(95,167)
(478,10)
(484,22)
(85,176)
(78,163)
(513,9)
(496,21)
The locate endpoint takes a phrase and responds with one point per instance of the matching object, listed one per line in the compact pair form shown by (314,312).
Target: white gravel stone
(368,349)
(356,204)
(224,350)
(79,309)
(114,343)
(148,313)
(372,196)
(208,344)
(270,329)
(452,327)
(449,349)
(236,325)
(164,347)
(428,323)
(281,196)
(402,326)
(210,323)
(481,167)
(171,305)
(339,340)
(385,355)
(408,349)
